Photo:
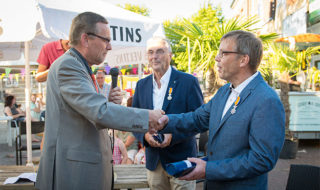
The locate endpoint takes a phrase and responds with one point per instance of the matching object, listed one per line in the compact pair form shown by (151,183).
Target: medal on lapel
(233,111)
(169,95)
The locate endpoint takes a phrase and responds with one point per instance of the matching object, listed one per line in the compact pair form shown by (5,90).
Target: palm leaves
(204,45)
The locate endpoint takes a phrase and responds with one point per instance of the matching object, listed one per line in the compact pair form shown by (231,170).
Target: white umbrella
(25,25)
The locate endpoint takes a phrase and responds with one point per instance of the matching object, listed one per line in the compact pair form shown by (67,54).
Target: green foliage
(278,57)
(204,31)
(136,9)
(282,58)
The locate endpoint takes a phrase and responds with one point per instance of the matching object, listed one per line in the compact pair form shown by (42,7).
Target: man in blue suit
(173,92)
(245,120)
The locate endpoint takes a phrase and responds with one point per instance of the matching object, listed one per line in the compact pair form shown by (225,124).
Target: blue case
(159,138)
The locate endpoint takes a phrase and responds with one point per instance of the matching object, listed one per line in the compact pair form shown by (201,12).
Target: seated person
(15,112)
(130,143)
(129,140)
(140,156)
(10,109)
(119,155)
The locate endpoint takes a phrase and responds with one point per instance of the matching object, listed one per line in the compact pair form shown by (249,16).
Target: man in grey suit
(245,120)
(77,153)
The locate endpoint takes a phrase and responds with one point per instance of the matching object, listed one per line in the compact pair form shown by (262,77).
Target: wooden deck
(126,177)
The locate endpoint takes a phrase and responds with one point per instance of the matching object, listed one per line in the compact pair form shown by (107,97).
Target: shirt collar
(59,45)
(164,79)
(83,60)
(241,86)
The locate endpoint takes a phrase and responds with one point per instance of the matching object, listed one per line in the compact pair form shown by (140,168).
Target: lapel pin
(233,111)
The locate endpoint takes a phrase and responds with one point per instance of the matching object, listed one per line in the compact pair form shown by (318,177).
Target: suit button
(210,153)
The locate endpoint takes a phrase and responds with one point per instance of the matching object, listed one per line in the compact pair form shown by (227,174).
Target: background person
(10,109)
(245,120)
(173,92)
(75,112)
(16,113)
(130,143)
(35,110)
(120,154)
(104,88)
(48,54)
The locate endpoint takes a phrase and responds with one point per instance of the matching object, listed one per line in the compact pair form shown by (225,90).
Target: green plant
(314,77)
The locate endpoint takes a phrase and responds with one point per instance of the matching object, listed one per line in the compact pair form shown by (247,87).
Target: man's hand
(162,122)
(149,138)
(154,116)
(115,95)
(199,172)
(167,140)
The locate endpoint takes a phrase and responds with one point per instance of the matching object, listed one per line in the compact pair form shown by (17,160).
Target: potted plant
(284,61)
(290,146)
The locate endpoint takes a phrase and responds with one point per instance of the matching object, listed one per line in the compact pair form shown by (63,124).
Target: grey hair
(102,72)
(162,39)
(247,43)
(84,23)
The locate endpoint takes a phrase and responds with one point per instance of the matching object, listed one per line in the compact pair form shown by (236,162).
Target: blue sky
(169,9)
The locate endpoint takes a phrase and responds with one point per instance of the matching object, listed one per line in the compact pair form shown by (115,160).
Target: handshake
(157,120)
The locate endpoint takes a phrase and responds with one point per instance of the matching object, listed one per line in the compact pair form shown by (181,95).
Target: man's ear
(244,60)
(84,40)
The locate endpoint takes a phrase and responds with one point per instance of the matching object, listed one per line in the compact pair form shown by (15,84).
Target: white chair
(10,124)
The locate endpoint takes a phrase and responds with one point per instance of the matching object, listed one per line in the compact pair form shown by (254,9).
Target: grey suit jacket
(77,153)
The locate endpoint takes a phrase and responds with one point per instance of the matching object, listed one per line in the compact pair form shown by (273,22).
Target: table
(8,119)
(126,177)
(130,176)
(13,171)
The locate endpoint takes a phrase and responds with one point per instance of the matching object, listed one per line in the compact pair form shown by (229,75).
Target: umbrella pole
(27,98)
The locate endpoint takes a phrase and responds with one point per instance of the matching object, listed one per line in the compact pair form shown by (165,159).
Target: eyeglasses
(106,40)
(221,54)
(157,52)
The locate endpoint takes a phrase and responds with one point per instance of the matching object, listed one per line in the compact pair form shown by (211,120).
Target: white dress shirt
(235,92)
(160,93)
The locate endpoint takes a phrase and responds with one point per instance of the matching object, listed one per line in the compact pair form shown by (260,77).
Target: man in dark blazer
(245,120)
(174,92)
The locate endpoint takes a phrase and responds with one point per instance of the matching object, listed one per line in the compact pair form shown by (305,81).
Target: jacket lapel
(216,125)
(75,55)
(243,96)
(172,84)
(149,92)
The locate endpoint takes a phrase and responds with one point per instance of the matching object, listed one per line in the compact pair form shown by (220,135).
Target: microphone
(114,72)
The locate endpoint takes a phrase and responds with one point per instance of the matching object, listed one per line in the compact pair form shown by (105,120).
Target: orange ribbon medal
(169,95)
(233,111)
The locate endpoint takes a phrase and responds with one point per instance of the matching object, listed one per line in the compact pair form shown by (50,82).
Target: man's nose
(217,58)
(109,46)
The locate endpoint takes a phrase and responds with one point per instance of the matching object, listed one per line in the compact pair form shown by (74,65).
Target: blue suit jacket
(186,96)
(243,146)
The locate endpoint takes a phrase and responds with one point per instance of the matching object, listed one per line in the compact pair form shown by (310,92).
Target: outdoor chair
(36,127)
(12,124)
(303,177)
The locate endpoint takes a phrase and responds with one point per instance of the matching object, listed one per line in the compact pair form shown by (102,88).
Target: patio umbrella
(308,37)
(26,25)
(302,41)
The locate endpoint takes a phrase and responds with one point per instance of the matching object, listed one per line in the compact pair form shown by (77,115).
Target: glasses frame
(106,40)
(221,53)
